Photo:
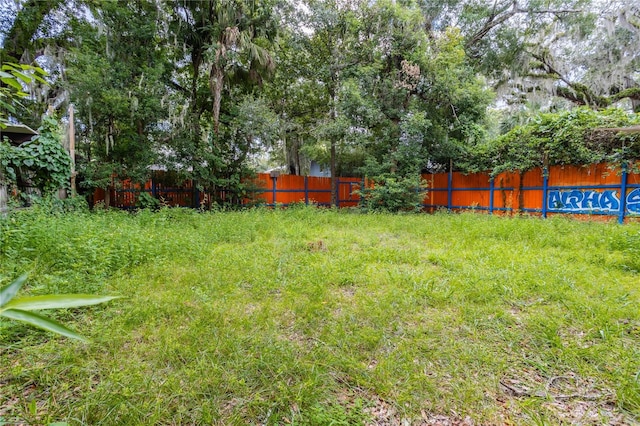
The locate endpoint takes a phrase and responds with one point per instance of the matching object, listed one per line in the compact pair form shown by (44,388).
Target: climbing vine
(580,136)
(41,162)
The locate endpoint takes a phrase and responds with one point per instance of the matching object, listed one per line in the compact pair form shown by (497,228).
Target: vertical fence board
(319,190)
(504,200)
(590,192)
(470,191)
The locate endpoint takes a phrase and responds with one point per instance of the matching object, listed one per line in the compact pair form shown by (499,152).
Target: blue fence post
(491,189)
(153,187)
(337,193)
(545,190)
(450,189)
(623,194)
(306,190)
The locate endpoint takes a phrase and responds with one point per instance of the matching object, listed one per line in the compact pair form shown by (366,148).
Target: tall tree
(582,51)
(218,71)
(332,50)
(230,38)
(116,83)
(22,23)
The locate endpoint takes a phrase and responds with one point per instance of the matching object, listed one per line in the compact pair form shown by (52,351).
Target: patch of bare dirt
(383,414)
(568,398)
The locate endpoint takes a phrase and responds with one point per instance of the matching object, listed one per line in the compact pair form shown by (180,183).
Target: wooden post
(72,150)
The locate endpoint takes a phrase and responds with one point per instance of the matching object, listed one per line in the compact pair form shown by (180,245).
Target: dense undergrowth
(316,316)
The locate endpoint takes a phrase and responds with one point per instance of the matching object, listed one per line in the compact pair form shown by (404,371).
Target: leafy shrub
(147,201)
(394,193)
(569,137)
(41,161)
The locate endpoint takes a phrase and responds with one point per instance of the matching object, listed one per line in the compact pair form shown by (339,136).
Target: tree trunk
(334,192)
(215,82)
(107,197)
(630,83)
(72,150)
(296,156)
(3,196)
(292,152)
(334,116)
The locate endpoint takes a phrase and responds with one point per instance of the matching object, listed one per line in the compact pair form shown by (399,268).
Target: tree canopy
(217,89)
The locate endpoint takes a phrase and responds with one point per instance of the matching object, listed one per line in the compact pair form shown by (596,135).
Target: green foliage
(47,164)
(20,308)
(52,204)
(395,99)
(231,83)
(578,137)
(117,84)
(41,162)
(397,180)
(394,193)
(147,201)
(15,77)
(224,121)
(227,157)
(9,157)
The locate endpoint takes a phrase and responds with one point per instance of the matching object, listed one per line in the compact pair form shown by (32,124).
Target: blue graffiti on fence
(633,201)
(581,201)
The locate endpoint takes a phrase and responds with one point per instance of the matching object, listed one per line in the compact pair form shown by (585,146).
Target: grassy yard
(318,317)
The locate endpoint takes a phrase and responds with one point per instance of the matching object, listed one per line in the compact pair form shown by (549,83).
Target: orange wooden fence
(598,191)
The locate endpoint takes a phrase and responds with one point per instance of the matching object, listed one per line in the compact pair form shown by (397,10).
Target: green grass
(320,317)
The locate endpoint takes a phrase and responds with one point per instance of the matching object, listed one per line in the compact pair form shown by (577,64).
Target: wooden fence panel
(290,189)
(346,188)
(506,191)
(596,191)
(319,189)
(436,196)
(265,195)
(470,191)
(528,192)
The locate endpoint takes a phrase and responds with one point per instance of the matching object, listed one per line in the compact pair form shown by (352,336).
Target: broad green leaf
(8,292)
(5,74)
(12,82)
(41,322)
(23,77)
(40,79)
(56,301)
(7,106)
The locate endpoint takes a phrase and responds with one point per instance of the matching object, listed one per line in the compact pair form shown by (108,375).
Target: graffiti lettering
(633,201)
(581,201)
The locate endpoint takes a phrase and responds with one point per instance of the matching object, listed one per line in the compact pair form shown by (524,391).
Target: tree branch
(496,19)
(177,86)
